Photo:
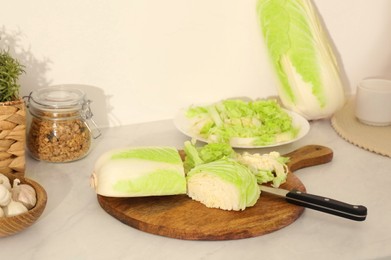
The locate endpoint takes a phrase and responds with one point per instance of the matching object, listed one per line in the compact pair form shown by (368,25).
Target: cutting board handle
(309,155)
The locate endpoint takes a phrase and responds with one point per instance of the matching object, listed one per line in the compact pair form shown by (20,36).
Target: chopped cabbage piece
(269,167)
(239,122)
(204,154)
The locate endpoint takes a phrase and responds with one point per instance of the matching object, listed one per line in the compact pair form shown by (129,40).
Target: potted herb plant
(12,116)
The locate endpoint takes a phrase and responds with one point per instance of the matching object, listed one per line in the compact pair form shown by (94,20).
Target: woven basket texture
(12,137)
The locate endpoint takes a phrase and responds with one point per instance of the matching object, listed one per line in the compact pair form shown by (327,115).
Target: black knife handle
(323,204)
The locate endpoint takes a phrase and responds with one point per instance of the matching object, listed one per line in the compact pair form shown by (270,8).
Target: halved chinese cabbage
(224,184)
(140,171)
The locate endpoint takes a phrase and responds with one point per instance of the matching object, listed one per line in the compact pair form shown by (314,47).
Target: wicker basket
(12,137)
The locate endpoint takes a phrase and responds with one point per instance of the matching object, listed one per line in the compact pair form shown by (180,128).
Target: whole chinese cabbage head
(302,56)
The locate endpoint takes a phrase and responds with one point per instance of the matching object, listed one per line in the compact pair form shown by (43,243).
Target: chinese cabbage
(139,171)
(224,184)
(302,56)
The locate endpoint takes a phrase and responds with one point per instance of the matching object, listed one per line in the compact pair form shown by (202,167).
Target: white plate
(182,123)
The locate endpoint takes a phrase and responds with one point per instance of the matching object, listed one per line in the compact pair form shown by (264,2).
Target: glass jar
(61,128)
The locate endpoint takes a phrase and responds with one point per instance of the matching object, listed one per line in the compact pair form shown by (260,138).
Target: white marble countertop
(74,226)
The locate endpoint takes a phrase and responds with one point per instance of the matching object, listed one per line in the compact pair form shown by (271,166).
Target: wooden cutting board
(180,217)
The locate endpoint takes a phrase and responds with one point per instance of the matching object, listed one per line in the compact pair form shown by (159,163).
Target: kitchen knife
(327,205)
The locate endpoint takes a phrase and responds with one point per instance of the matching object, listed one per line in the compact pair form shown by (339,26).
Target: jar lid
(58,97)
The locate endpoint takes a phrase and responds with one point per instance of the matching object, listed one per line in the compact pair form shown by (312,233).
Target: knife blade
(319,203)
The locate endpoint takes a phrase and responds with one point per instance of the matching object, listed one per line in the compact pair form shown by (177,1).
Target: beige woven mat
(376,139)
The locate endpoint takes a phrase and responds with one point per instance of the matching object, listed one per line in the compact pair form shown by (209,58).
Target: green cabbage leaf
(196,155)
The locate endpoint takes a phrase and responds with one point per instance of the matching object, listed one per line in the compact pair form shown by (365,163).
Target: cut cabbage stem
(224,184)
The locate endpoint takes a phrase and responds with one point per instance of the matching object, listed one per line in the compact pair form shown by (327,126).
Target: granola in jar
(59,131)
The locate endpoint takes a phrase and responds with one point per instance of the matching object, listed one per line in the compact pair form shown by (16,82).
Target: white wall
(142,60)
